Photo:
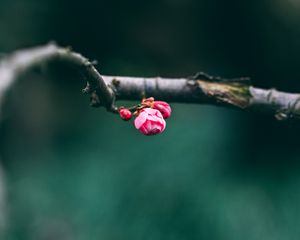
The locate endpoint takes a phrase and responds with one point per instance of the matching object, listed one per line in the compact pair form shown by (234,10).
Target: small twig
(104,90)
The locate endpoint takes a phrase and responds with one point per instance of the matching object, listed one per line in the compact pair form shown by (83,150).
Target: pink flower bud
(163,107)
(150,122)
(125,114)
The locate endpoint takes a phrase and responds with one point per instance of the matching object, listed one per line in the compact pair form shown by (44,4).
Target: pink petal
(158,127)
(150,111)
(145,128)
(164,124)
(148,125)
(140,119)
(152,118)
(158,113)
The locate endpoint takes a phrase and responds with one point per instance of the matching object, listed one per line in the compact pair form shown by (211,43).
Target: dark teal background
(75,172)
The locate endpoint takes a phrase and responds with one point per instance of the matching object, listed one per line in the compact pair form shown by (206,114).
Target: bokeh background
(75,172)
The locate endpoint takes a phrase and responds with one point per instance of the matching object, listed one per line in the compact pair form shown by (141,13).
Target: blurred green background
(75,172)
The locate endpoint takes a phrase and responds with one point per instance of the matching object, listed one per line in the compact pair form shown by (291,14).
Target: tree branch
(104,90)
(14,65)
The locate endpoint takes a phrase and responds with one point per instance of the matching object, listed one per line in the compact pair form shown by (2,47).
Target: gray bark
(104,90)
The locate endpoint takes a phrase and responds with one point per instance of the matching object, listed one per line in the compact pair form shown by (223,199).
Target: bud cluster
(150,116)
